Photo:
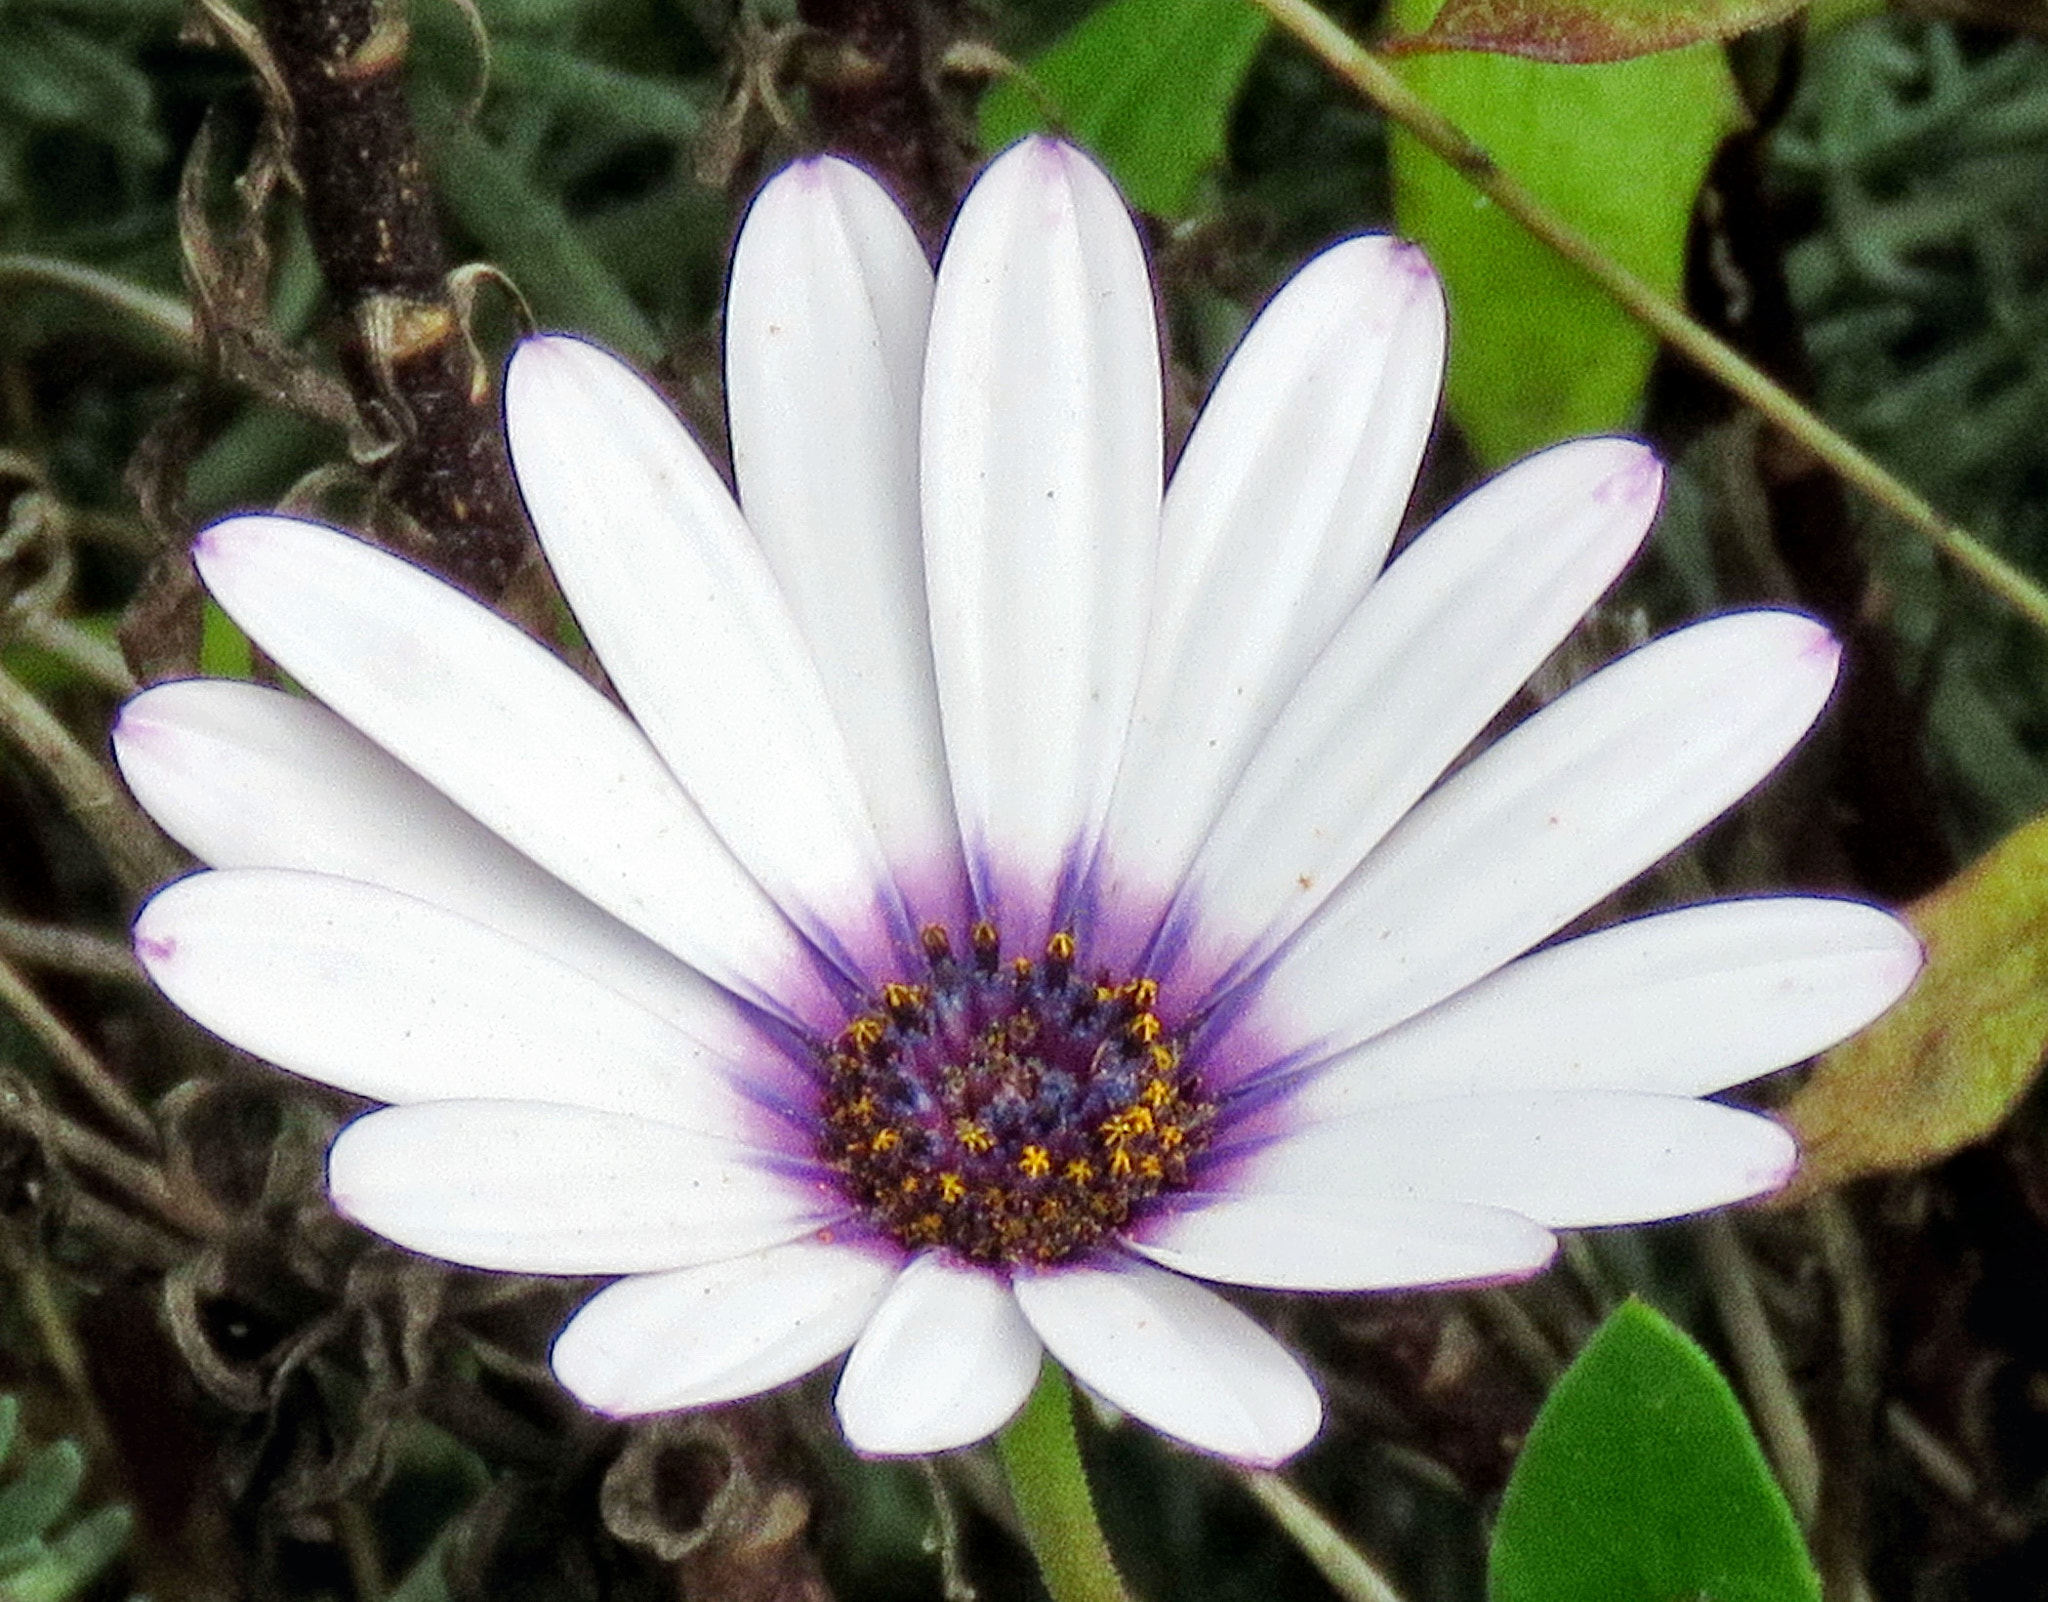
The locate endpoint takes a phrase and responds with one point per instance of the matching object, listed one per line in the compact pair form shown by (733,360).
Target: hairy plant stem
(1042,1460)
(1376,82)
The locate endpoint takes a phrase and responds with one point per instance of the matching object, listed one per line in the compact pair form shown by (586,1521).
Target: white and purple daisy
(1014,895)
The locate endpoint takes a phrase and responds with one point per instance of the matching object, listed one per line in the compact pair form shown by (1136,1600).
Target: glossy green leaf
(1538,350)
(1148,85)
(1590,30)
(1642,1482)
(1944,1067)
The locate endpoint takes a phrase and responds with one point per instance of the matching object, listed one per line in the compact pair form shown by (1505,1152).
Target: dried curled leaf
(1587,31)
(1944,1067)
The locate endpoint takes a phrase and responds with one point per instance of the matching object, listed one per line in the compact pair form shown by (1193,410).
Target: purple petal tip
(1638,478)
(1413,260)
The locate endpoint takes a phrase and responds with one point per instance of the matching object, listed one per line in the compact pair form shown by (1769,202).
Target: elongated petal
(1571,1160)
(1277,519)
(1042,471)
(391,998)
(825,329)
(1685,1003)
(671,588)
(512,736)
(1568,807)
(946,1361)
(1447,635)
(247,777)
(696,1337)
(1326,1243)
(1175,1355)
(541,1189)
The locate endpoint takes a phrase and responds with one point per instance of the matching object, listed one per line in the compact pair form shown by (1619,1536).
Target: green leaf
(41,1492)
(1538,350)
(1590,30)
(1641,1482)
(1148,85)
(224,651)
(1945,1066)
(72,1562)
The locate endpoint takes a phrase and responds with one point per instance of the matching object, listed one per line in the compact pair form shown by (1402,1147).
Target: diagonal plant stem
(73,1056)
(1350,1573)
(139,856)
(1376,82)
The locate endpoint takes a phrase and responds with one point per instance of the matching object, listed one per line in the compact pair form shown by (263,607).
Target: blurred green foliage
(46,1555)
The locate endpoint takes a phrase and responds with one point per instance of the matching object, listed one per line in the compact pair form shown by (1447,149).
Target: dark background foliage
(231,278)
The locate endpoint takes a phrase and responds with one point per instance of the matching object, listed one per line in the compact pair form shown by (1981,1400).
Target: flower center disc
(1013,1112)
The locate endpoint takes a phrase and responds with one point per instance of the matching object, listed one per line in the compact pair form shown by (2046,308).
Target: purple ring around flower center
(1013,1111)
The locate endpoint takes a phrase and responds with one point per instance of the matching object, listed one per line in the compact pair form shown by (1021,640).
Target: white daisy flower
(1013,897)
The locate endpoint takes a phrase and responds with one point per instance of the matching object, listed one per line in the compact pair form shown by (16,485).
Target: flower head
(1015,894)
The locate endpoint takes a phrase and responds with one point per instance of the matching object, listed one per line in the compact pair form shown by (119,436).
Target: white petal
(672,591)
(540,1189)
(1683,1004)
(1568,807)
(1448,634)
(946,1361)
(824,357)
(512,736)
(394,999)
(1278,517)
(696,1337)
(1042,441)
(1176,1355)
(1328,1243)
(1571,1160)
(247,777)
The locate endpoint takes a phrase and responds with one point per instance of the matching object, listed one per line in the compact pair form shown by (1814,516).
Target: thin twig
(1779,1417)
(138,1178)
(167,320)
(74,951)
(81,650)
(1379,84)
(1350,1573)
(73,1055)
(136,852)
